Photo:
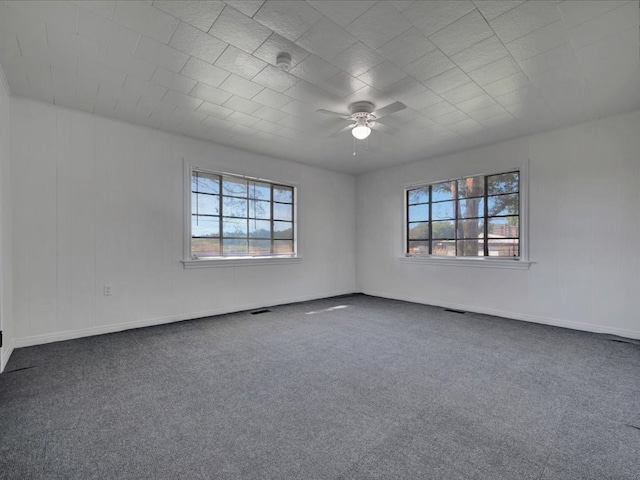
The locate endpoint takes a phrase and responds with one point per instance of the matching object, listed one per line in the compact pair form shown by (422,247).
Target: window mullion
(486,216)
(430,223)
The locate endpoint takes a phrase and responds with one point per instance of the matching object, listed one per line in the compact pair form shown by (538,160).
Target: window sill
(239,261)
(469,262)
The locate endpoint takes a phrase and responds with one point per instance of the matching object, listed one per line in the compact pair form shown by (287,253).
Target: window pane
(259,190)
(419,247)
(505,183)
(473,228)
(259,209)
(205,247)
(506,247)
(283,230)
(282,211)
(236,187)
(443,229)
(419,213)
(205,226)
(471,207)
(443,191)
(418,231)
(471,187)
(470,248)
(444,248)
(504,205)
(418,195)
(504,226)
(234,227)
(283,194)
(260,247)
(282,247)
(205,182)
(442,211)
(202,204)
(234,207)
(259,229)
(235,247)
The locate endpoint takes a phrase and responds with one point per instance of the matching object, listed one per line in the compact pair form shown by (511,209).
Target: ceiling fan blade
(334,114)
(391,108)
(381,127)
(342,130)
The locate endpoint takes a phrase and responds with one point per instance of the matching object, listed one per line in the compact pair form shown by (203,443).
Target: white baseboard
(556,322)
(7,350)
(119,327)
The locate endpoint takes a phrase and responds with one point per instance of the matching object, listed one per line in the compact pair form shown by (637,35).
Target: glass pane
(419,247)
(260,247)
(234,247)
(470,248)
(418,231)
(444,248)
(282,247)
(205,182)
(202,204)
(418,195)
(282,211)
(234,207)
(443,191)
(473,228)
(504,204)
(205,247)
(471,207)
(283,194)
(443,229)
(471,187)
(419,213)
(259,209)
(505,183)
(504,227)
(234,186)
(259,190)
(234,227)
(259,229)
(282,230)
(444,210)
(205,226)
(504,247)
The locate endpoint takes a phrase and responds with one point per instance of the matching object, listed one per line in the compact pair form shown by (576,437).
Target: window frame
(191,261)
(520,262)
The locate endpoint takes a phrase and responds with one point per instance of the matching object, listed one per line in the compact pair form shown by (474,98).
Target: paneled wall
(6,309)
(100,202)
(584,224)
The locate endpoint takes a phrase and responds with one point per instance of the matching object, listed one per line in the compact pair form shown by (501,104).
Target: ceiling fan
(365,117)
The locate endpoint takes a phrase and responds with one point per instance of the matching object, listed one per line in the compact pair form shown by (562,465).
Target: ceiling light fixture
(362,129)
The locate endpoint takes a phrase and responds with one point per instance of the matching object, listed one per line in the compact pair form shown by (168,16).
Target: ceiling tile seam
(485,19)
(591,105)
(507,55)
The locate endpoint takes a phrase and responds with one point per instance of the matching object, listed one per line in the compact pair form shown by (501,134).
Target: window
(475,216)
(235,216)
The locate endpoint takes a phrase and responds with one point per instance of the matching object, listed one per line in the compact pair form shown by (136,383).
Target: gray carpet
(377,389)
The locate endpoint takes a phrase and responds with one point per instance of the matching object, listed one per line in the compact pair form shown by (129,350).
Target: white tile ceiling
(470,72)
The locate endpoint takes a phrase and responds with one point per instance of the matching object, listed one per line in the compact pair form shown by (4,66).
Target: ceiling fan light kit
(362,129)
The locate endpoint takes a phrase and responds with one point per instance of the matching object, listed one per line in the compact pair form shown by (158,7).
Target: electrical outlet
(107,289)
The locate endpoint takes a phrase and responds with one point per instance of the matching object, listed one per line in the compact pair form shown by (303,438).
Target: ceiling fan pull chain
(354,146)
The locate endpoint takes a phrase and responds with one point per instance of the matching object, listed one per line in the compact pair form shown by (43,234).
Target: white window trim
(521,263)
(189,262)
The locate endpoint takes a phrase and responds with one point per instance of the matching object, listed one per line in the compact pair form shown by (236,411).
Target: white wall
(584,222)
(6,317)
(97,201)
